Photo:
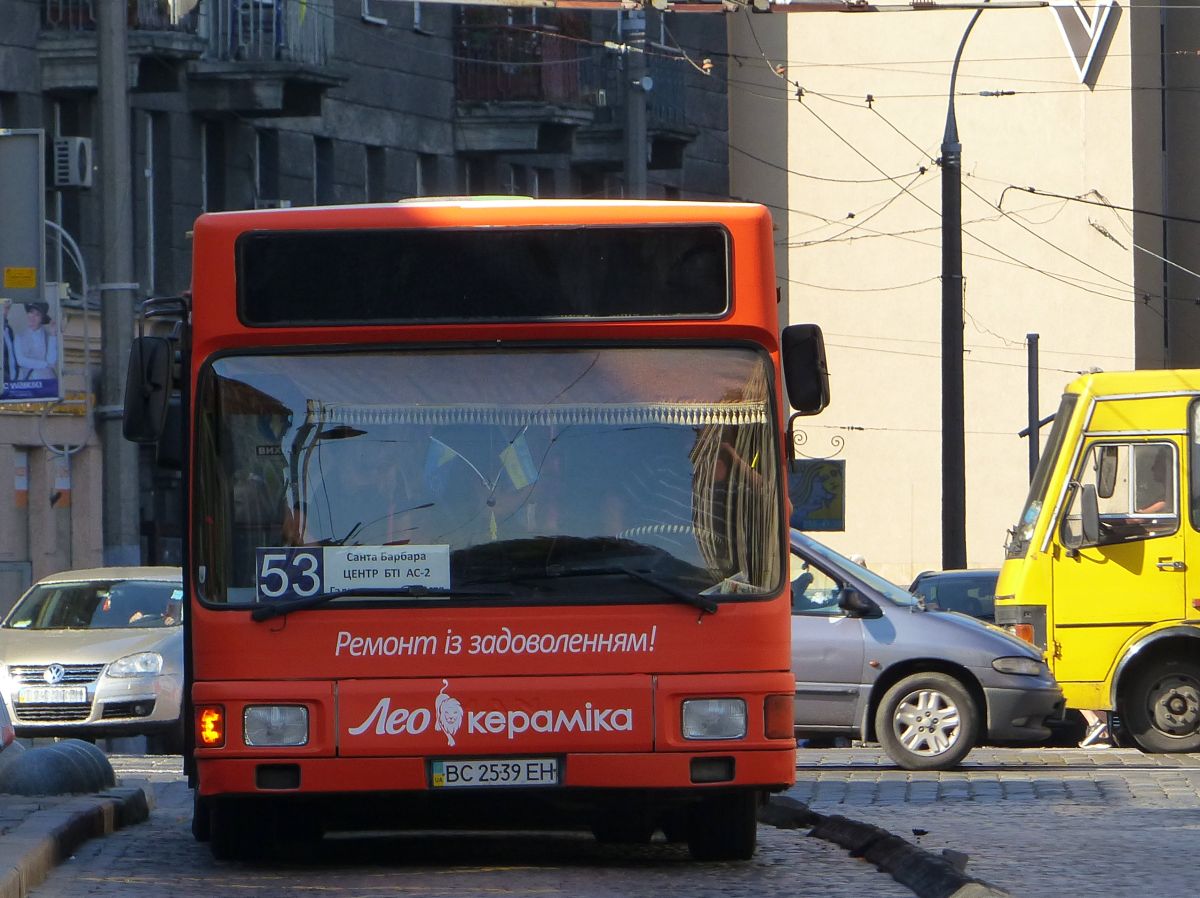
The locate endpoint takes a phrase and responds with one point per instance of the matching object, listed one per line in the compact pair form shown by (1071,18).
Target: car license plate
(494,772)
(52,695)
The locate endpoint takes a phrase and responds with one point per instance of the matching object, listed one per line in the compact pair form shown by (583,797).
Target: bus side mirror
(1088,533)
(148,388)
(804,370)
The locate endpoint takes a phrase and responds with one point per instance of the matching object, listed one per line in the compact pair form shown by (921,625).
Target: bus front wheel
(724,827)
(1162,707)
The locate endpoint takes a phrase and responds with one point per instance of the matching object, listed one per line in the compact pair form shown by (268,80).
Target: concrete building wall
(385,130)
(865,101)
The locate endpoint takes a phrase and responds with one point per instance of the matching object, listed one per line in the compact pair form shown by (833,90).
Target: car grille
(35,674)
(53,713)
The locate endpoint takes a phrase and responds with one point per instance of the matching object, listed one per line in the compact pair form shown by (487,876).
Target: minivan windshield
(98,605)
(839,565)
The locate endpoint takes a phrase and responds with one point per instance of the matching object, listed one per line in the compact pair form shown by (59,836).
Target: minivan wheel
(927,721)
(1161,708)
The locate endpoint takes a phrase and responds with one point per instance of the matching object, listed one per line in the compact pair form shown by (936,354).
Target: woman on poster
(37,346)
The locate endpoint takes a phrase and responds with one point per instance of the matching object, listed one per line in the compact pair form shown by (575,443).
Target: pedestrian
(1097,734)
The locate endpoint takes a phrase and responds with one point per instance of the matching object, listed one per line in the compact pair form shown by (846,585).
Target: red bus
(487,518)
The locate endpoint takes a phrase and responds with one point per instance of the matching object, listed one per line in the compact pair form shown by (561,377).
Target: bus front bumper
(766,770)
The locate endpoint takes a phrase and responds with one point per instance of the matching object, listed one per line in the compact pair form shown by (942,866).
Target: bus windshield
(1020,535)
(518,474)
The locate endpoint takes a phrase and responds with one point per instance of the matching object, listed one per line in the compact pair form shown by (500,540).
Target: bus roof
(488,211)
(1148,381)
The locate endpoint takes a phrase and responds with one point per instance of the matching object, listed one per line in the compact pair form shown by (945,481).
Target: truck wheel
(1161,708)
(927,721)
(724,827)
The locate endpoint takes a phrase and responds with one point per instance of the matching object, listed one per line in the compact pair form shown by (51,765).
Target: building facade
(267,103)
(1079,204)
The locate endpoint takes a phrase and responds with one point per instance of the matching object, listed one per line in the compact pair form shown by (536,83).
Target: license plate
(491,773)
(52,695)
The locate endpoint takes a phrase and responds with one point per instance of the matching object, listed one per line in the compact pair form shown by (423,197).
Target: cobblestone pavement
(1056,823)
(159,857)
(1061,823)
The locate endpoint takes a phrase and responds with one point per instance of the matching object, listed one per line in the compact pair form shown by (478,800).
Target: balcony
(518,88)
(546,88)
(249,57)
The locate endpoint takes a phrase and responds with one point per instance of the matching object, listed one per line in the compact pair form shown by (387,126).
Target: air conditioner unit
(263,203)
(72,162)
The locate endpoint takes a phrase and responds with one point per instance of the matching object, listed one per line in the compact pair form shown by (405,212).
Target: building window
(376,175)
(213,143)
(323,192)
(266,169)
(8,110)
(427,180)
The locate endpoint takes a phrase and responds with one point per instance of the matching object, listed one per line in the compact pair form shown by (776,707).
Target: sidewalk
(39,832)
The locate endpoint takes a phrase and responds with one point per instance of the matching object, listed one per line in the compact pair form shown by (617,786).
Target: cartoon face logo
(448,713)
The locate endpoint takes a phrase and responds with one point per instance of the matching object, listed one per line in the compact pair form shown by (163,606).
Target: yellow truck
(1102,570)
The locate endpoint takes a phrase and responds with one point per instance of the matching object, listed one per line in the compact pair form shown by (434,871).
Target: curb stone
(49,836)
(928,875)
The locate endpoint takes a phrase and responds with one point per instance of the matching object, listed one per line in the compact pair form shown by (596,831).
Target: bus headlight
(275,725)
(1029,667)
(714,718)
(143,664)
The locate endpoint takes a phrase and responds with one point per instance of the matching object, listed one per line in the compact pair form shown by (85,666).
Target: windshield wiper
(704,603)
(275,609)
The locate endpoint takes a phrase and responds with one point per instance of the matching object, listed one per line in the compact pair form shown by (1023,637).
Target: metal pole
(1031,357)
(954,488)
(120,490)
(635,109)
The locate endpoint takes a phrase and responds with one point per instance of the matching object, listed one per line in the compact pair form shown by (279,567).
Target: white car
(97,653)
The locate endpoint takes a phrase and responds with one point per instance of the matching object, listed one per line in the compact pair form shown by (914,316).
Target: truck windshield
(1020,535)
(529,473)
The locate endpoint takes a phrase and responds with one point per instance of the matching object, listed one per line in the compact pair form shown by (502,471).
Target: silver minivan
(872,663)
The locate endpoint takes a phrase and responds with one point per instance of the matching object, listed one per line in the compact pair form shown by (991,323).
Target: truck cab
(1102,569)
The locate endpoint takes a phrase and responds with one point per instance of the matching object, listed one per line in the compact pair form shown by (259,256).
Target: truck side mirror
(804,370)
(147,388)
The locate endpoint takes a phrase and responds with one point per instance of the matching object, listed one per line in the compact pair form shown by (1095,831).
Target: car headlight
(1019,664)
(143,664)
(714,718)
(275,725)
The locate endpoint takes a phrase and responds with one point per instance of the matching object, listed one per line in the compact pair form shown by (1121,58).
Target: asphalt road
(1033,822)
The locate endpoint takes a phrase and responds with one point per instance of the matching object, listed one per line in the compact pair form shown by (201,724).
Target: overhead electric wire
(800,174)
(1079,199)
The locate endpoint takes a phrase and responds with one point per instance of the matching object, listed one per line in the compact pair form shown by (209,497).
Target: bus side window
(1136,489)
(1194,464)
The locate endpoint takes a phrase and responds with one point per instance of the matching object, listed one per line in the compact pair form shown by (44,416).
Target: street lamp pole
(954,486)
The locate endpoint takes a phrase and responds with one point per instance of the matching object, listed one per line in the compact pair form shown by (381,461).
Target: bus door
(1130,572)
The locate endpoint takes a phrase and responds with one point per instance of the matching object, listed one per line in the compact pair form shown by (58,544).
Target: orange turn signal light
(210,726)
(1024,631)
(778,717)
